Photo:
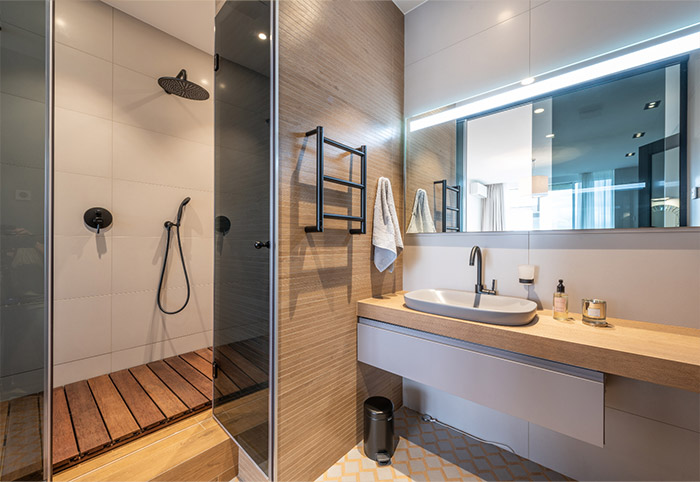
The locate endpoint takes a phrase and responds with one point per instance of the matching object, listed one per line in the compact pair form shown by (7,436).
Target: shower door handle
(260,244)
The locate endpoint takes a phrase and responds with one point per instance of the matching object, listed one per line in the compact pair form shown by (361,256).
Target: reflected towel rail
(458,209)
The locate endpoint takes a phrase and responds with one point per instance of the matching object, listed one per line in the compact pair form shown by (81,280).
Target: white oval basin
(494,309)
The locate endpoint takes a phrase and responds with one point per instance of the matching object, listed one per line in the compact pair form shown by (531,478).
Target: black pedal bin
(379,443)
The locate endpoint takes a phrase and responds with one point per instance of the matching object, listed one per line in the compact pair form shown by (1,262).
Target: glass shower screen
(242,205)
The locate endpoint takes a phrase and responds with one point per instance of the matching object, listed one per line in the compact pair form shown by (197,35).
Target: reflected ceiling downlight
(539,110)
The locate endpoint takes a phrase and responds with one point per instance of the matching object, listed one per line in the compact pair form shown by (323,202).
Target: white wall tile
(148,156)
(476,419)
(157,351)
(27,15)
(75,194)
(139,101)
(140,168)
(85,25)
(433,264)
(635,448)
(665,404)
(626,275)
(152,52)
(70,372)
(22,201)
(82,266)
(137,262)
(469,67)
(82,328)
(141,209)
(564,32)
(23,64)
(83,145)
(137,321)
(83,82)
(22,135)
(438,25)
(24,325)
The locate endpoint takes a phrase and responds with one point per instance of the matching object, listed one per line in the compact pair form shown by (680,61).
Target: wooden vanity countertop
(662,354)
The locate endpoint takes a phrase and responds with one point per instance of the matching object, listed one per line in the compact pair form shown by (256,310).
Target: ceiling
(191,21)
(407,5)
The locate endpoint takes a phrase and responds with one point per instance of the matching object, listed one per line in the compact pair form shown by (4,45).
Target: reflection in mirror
(601,156)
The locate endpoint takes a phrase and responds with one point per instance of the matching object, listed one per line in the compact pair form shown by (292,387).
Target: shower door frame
(274,235)
(47,427)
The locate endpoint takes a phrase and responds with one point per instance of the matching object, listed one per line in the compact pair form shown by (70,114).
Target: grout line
(473,35)
(128,292)
(122,179)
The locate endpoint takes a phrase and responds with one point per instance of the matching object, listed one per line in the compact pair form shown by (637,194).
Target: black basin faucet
(479,287)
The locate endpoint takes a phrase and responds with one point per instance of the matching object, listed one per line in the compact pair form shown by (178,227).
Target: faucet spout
(475,256)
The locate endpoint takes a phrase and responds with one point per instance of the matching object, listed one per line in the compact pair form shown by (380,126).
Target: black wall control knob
(260,244)
(97,218)
(222,224)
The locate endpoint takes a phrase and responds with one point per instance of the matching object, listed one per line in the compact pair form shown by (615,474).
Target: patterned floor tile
(431,452)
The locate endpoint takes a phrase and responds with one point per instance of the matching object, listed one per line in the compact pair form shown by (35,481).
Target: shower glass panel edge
(47,426)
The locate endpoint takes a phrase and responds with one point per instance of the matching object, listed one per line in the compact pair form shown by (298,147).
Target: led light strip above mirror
(546,84)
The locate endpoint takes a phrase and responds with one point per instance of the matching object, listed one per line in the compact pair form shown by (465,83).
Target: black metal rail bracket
(445,208)
(321,178)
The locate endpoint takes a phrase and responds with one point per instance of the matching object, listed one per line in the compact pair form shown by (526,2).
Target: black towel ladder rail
(321,178)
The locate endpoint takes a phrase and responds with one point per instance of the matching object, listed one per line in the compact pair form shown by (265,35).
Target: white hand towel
(421,219)
(386,234)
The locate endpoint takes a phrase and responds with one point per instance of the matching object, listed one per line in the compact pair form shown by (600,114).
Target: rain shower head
(182,87)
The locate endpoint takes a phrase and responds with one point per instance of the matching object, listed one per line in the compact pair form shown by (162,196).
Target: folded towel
(386,234)
(421,219)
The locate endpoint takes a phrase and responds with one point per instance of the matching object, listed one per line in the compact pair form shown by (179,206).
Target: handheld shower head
(181,209)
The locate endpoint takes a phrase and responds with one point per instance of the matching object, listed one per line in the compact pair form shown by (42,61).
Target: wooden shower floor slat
(90,430)
(117,417)
(95,415)
(65,447)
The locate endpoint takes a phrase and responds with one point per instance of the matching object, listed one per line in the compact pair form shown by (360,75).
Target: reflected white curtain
(493,215)
(595,201)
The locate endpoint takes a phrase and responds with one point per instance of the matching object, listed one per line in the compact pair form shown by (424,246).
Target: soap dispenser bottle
(561,302)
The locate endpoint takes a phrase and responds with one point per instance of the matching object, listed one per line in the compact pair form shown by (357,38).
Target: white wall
(457,49)
(124,144)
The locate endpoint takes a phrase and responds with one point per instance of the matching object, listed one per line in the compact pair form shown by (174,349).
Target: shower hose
(169,225)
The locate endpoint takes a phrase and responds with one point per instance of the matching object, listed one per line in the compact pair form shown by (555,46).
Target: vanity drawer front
(566,399)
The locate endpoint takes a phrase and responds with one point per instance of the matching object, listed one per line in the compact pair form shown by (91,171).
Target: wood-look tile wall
(341,66)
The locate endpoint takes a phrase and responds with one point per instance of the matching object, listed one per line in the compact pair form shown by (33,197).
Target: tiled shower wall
(125,145)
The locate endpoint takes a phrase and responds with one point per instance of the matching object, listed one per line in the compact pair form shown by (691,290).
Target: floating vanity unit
(548,372)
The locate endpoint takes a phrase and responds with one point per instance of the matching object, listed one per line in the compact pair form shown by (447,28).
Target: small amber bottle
(561,302)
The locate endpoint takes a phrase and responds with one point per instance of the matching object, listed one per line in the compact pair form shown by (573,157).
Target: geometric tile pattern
(431,452)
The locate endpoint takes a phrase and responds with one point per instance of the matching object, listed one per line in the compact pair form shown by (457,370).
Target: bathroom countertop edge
(663,354)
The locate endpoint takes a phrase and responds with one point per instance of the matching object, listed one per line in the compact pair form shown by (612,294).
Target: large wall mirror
(610,153)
